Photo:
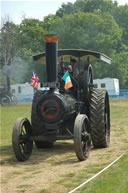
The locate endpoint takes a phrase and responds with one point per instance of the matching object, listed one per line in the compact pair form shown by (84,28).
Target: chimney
(51,48)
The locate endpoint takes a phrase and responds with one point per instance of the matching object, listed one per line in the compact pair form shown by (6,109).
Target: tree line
(99,25)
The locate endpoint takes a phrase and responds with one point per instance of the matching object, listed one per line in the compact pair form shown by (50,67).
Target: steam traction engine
(80,113)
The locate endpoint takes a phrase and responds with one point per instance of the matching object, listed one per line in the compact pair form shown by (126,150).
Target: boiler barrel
(55,107)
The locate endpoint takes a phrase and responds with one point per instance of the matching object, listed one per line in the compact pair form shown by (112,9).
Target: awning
(86,56)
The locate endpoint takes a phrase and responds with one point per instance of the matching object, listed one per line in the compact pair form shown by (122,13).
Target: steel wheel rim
(85,142)
(106,119)
(5,100)
(24,142)
(90,78)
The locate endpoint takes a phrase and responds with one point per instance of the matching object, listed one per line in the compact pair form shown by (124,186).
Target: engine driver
(75,71)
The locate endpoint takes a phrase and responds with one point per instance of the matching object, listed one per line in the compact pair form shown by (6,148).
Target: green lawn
(8,117)
(113,180)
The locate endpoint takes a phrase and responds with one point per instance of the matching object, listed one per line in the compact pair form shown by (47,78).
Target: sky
(17,10)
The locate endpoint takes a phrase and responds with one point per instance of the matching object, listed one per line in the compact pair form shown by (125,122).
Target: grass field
(57,170)
(115,179)
(8,118)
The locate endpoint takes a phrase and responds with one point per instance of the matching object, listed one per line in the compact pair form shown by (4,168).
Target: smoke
(6,70)
(16,71)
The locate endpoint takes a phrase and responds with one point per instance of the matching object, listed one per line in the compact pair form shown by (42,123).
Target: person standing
(75,71)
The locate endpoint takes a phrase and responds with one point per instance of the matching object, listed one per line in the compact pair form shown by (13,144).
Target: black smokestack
(51,48)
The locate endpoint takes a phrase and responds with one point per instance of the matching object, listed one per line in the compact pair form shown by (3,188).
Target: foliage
(119,68)
(86,6)
(9,42)
(92,31)
(100,25)
(121,17)
(32,31)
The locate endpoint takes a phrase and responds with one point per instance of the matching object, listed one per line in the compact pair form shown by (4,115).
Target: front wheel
(82,137)
(22,145)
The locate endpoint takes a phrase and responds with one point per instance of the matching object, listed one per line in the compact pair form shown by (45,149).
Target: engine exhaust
(51,48)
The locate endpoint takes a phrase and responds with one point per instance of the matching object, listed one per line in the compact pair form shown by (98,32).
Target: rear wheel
(87,82)
(99,113)
(22,145)
(82,137)
(14,99)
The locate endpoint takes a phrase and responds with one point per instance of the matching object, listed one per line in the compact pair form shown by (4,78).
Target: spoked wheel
(14,99)
(82,137)
(88,82)
(6,100)
(22,145)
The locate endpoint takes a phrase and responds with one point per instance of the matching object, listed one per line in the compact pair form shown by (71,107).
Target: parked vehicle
(24,92)
(6,97)
(110,84)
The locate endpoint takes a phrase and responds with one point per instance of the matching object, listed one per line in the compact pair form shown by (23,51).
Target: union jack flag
(34,80)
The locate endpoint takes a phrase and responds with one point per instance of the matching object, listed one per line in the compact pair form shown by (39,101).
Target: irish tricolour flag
(67,79)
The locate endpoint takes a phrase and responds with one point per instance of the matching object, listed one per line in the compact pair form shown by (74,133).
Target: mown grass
(8,117)
(114,180)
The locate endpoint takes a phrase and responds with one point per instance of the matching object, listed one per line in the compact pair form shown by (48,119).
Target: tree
(86,6)
(9,45)
(9,42)
(119,68)
(47,22)
(95,31)
(120,14)
(65,9)
(32,31)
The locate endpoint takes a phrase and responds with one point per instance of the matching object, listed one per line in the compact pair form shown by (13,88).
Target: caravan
(24,92)
(110,84)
